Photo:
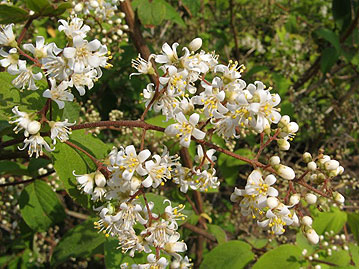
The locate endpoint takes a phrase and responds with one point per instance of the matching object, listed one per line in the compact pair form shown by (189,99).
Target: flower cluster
(227,102)
(77,65)
(122,209)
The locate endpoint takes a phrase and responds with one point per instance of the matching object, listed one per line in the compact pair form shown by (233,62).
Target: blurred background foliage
(307,50)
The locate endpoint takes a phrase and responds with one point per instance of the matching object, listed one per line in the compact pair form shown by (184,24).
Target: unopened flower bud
(338,197)
(311,198)
(340,170)
(272,202)
(94,4)
(33,127)
(312,166)
(285,120)
(331,165)
(294,199)
(285,172)
(307,157)
(312,236)
(283,144)
(307,221)
(195,44)
(78,7)
(135,183)
(274,160)
(293,127)
(100,179)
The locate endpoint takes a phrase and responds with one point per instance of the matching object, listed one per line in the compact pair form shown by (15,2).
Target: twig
(199,231)
(26,181)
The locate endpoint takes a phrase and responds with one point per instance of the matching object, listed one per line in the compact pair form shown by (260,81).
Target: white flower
(211,99)
(173,214)
(35,144)
(60,130)
(22,119)
(82,55)
(158,171)
(59,93)
(32,128)
(200,156)
(205,180)
(7,37)
(40,51)
(258,187)
(185,129)
(86,182)
(181,264)
(75,28)
(25,76)
(130,162)
(172,245)
(10,60)
(231,72)
(56,66)
(250,204)
(169,55)
(128,215)
(267,112)
(277,218)
(153,262)
(175,80)
(142,66)
(80,80)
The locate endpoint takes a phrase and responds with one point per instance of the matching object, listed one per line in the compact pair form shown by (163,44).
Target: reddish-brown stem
(36,62)
(143,139)
(192,204)
(264,145)
(199,231)
(137,193)
(44,110)
(148,209)
(24,30)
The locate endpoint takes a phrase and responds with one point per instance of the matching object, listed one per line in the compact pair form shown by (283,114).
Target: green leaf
(150,12)
(285,256)
(194,6)
(329,221)
(28,101)
(9,14)
(35,165)
(80,241)
(13,168)
(329,36)
(172,14)
(229,255)
(79,163)
(354,252)
(218,232)
(342,13)
(40,206)
(328,59)
(340,258)
(353,222)
(38,5)
(46,8)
